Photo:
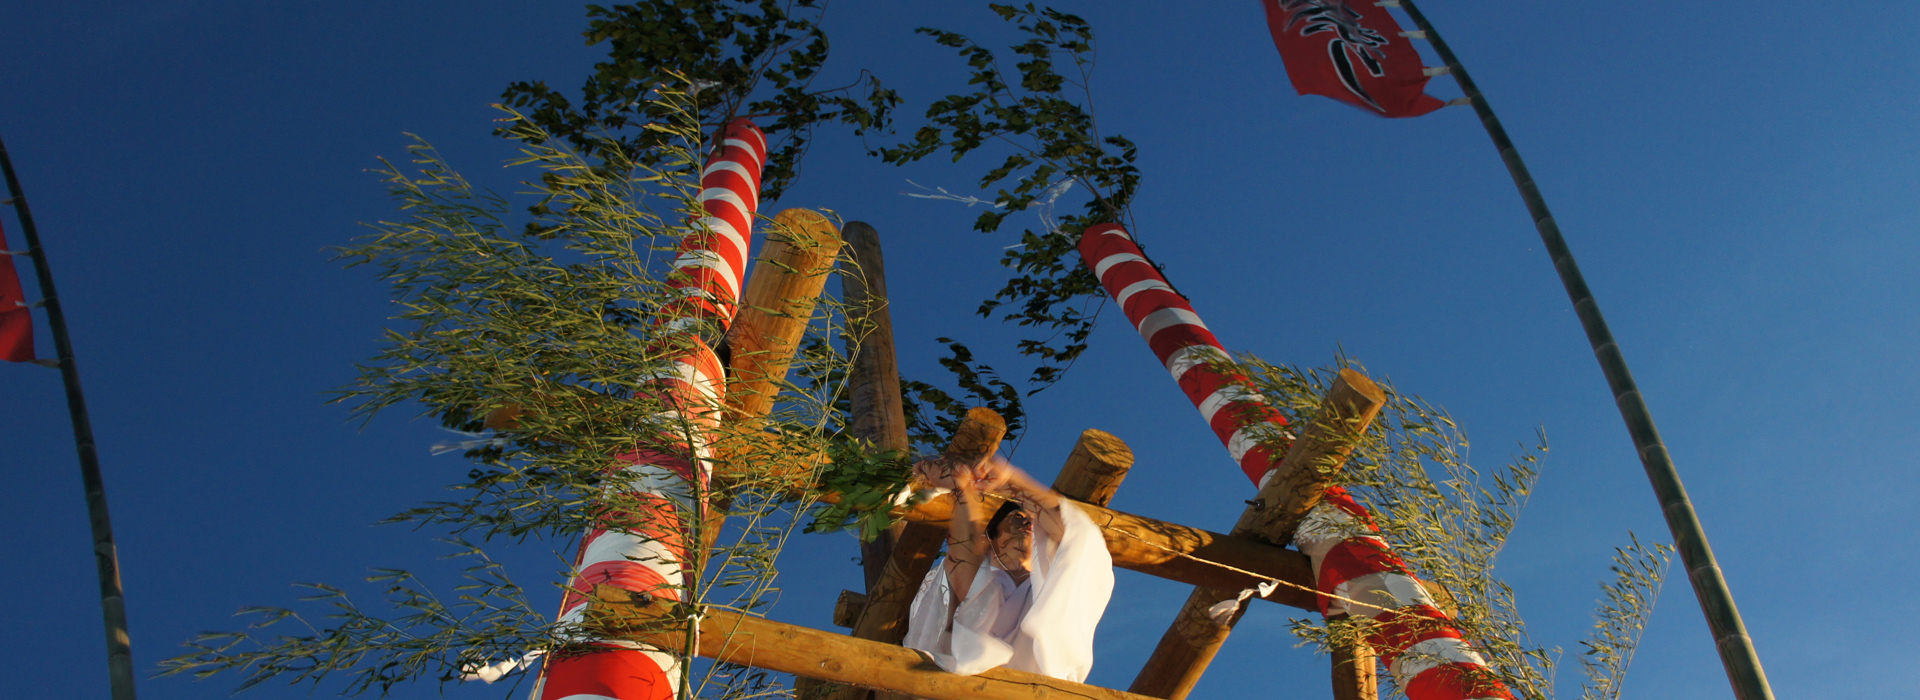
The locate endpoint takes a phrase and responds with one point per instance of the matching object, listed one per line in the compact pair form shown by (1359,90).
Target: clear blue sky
(1741,183)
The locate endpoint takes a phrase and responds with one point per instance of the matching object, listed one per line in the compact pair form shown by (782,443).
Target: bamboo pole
(761,643)
(106,557)
(1730,637)
(1094,469)
(1286,494)
(878,412)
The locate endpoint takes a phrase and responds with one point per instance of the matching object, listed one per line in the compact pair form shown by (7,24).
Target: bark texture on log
(1095,468)
(776,307)
(1293,488)
(775,646)
(1356,674)
(878,413)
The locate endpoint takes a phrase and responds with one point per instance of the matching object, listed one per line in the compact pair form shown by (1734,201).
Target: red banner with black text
(1351,52)
(16,322)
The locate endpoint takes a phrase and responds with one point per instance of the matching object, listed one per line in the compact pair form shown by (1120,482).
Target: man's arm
(966,541)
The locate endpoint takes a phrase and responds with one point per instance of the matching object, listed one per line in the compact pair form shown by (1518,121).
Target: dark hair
(993,524)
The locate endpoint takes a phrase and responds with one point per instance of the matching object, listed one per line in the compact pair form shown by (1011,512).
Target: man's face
(1013,542)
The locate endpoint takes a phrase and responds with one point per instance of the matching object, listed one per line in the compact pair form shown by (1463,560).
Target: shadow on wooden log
(775,646)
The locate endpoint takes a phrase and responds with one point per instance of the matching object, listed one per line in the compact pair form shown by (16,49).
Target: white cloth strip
(1190,357)
(1438,70)
(1100,268)
(753,184)
(1324,527)
(726,230)
(1116,231)
(1415,34)
(1138,287)
(1377,593)
(722,194)
(1429,654)
(615,546)
(1222,398)
(1167,318)
(1242,442)
(712,261)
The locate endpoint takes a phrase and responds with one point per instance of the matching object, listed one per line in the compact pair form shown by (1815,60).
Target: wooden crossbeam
(753,641)
(1296,486)
(1180,553)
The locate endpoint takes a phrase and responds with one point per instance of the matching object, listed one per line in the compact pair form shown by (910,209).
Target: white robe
(1044,625)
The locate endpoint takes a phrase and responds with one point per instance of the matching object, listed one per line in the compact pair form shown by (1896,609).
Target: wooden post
(753,641)
(1293,488)
(1355,674)
(878,414)
(776,307)
(1095,468)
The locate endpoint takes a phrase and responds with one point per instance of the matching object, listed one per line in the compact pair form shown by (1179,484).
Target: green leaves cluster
(755,58)
(869,482)
(1043,120)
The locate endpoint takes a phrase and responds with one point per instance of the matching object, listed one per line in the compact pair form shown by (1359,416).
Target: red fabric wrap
(1351,52)
(1104,241)
(16,321)
(614,673)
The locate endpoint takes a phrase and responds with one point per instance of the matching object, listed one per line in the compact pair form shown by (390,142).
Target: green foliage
(558,321)
(933,415)
(1045,120)
(870,484)
(755,58)
(1448,521)
(1627,602)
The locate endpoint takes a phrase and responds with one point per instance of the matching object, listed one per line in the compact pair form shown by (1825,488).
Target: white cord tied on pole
(1222,612)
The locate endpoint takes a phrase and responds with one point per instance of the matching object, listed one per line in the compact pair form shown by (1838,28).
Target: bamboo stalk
(1292,489)
(1730,637)
(106,556)
(752,641)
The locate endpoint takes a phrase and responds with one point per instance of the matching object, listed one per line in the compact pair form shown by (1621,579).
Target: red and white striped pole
(1358,570)
(645,550)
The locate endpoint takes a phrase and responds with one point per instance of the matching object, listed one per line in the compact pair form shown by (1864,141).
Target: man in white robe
(1024,592)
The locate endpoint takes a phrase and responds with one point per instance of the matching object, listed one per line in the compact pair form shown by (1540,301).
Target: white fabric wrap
(1043,626)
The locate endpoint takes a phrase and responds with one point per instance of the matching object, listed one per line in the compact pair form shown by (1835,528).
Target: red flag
(16,323)
(1352,54)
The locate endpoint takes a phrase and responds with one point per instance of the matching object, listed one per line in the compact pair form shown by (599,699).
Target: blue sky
(1739,183)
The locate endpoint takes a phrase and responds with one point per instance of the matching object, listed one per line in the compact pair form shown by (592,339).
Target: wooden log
(846,609)
(776,307)
(1095,468)
(752,641)
(878,413)
(1296,485)
(1355,673)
